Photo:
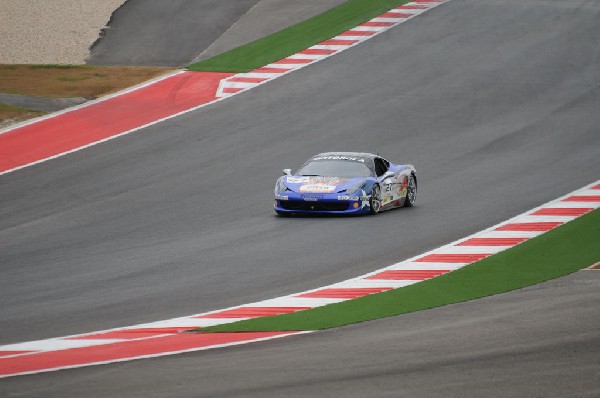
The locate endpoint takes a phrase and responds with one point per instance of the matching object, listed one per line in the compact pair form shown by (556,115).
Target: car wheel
(411,192)
(375,200)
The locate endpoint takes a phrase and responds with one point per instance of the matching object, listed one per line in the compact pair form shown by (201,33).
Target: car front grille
(313,206)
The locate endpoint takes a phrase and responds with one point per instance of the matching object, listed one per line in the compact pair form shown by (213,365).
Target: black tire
(282,214)
(411,192)
(375,200)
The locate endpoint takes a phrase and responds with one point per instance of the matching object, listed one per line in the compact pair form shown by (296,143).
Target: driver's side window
(380,167)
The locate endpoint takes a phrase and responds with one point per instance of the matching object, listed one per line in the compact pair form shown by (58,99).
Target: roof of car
(367,159)
(349,154)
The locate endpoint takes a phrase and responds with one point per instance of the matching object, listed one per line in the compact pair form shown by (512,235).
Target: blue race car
(345,183)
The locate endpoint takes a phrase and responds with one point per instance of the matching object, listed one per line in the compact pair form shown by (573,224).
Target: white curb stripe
(57,344)
(328,47)
(308,56)
(588,192)
(388,19)
(512,234)
(535,218)
(370,28)
(593,205)
(190,322)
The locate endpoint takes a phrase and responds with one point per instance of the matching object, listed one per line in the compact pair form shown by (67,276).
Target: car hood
(305,184)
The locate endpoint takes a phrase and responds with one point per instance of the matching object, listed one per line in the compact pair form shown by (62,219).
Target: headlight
(355,188)
(280,186)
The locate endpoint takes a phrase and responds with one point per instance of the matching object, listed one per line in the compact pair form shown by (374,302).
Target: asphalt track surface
(495,102)
(176,32)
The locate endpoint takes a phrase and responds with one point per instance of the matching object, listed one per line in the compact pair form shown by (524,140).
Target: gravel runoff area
(51,31)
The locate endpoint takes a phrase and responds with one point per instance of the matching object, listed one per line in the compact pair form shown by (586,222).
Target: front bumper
(308,203)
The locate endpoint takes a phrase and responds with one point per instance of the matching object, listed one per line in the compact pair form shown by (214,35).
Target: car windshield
(334,168)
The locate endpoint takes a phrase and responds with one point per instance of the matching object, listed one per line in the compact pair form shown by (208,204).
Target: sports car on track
(345,183)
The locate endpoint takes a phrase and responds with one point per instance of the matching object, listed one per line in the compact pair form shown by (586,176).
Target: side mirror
(287,172)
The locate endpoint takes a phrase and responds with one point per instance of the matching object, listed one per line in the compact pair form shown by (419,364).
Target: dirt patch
(66,81)
(594,266)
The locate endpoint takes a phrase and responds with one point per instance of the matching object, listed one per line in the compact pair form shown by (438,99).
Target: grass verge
(297,37)
(564,250)
(65,81)
(13,114)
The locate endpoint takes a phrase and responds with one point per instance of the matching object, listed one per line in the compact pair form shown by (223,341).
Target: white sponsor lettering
(340,158)
(296,180)
(321,188)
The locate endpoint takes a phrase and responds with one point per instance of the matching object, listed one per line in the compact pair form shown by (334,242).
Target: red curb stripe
(270,70)
(492,242)
(391,14)
(294,61)
(232,90)
(530,226)
(379,24)
(348,293)
(596,186)
(316,51)
(337,42)
(453,258)
(90,124)
(247,79)
(418,275)
(357,33)
(123,350)
(254,312)
(592,198)
(550,211)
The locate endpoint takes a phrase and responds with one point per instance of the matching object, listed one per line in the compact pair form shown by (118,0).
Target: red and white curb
(172,336)
(350,38)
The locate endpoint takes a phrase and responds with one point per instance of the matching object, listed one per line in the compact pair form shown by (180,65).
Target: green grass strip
(297,37)
(561,251)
